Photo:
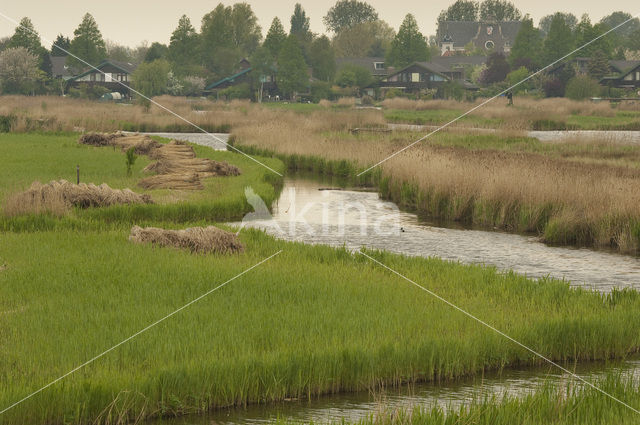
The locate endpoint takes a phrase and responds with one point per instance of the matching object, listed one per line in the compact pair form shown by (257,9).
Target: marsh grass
(313,320)
(571,194)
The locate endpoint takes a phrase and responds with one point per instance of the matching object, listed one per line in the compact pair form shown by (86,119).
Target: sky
(134,21)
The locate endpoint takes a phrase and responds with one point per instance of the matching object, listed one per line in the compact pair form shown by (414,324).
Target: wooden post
(78,174)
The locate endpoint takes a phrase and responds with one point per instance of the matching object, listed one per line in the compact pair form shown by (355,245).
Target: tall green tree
(292,68)
(87,44)
(559,41)
(366,39)
(26,36)
(151,79)
(300,23)
(119,52)
(183,51)
(228,34)
(322,59)
(460,11)
(527,47)
(156,51)
(275,38)
(346,14)
(634,41)
(622,35)
(585,34)
(545,22)
(598,65)
(409,45)
(499,10)
(61,43)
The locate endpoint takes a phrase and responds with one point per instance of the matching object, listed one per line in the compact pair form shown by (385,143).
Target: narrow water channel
(355,406)
(306,212)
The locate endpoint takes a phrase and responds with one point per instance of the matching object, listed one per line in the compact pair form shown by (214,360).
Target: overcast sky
(131,22)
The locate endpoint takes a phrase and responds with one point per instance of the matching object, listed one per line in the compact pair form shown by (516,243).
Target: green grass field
(33,157)
(312,320)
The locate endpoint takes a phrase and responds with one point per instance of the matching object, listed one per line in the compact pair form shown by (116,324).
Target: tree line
(228,34)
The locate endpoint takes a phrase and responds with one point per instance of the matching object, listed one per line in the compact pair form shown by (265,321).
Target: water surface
(358,219)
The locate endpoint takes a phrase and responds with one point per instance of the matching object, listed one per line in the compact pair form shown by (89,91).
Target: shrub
(240,91)
(514,77)
(582,87)
(320,90)
(6,122)
(554,88)
(88,91)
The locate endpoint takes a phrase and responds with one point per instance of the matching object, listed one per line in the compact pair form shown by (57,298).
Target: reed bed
(527,114)
(313,320)
(573,195)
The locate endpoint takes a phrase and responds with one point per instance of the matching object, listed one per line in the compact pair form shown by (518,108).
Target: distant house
(455,37)
(375,65)
(59,67)
(624,74)
(113,75)
(421,76)
(456,67)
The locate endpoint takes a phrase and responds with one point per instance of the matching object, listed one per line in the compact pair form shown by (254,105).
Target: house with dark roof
(59,68)
(111,74)
(375,65)
(454,37)
(421,76)
(624,74)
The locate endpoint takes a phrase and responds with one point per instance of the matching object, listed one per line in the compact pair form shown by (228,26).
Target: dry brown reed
(176,181)
(519,117)
(601,196)
(142,144)
(204,167)
(57,197)
(176,167)
(199,240)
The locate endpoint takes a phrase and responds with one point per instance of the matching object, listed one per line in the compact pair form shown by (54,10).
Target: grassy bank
(43,157)
(312,320)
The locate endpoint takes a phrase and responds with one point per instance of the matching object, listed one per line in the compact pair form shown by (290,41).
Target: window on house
(102,78)
(415,77)
(378,65)
(92,76)
(638,75)
(122,77)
